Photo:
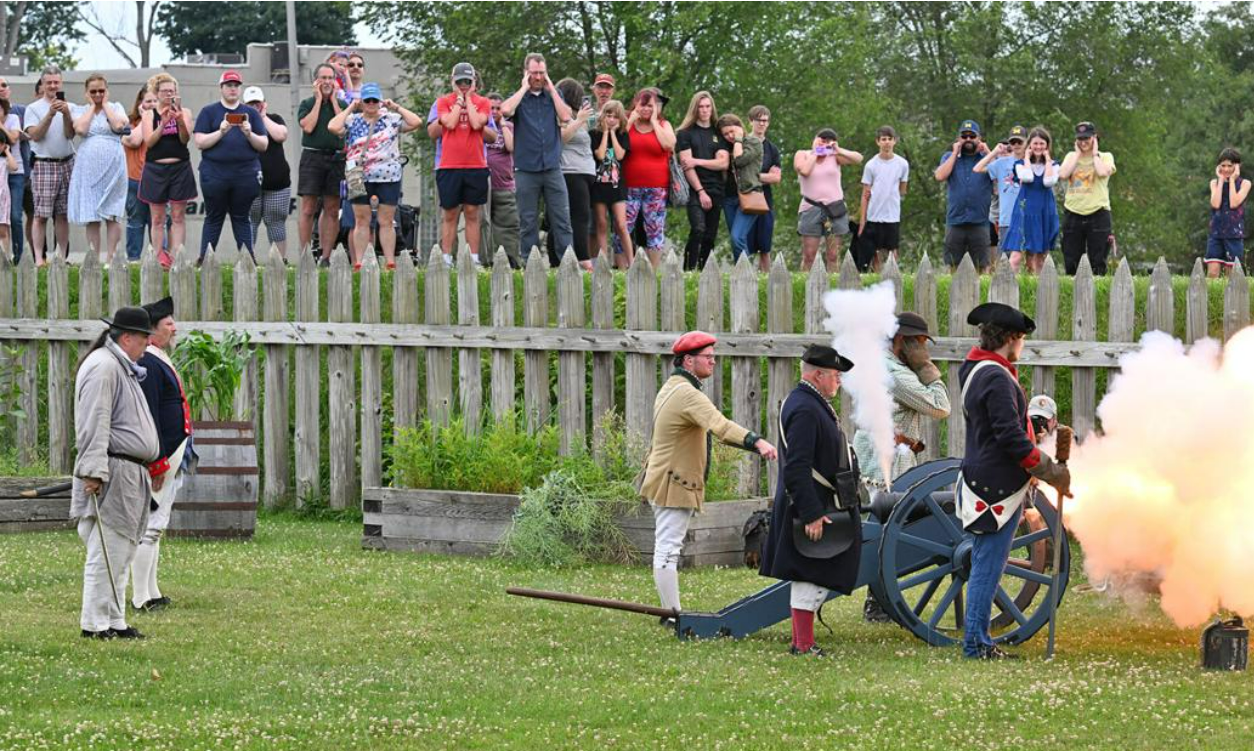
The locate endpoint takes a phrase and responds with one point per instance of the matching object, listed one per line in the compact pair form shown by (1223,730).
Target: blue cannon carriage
(916,559)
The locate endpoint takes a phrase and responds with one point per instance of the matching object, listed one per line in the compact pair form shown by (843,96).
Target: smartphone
(61,96)
(822,150)
(587,102)
(236,118)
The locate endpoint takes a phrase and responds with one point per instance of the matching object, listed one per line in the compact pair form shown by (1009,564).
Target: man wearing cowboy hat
(1001,460)
(678,461)
(815,538)
(116,440)
(163,389)
(918,394)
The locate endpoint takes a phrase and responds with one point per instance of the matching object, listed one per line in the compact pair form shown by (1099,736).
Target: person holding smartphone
(50,125)
(167,179)
(97,193)
(822,213)
(231,137)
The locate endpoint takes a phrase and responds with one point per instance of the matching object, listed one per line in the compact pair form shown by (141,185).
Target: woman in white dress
(98,185)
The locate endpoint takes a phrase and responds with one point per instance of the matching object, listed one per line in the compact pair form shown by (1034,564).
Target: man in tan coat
(676,467)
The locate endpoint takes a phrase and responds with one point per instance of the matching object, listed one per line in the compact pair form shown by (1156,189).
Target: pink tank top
(823,184)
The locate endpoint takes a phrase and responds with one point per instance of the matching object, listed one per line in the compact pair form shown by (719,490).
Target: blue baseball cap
(969,126)
(371,91)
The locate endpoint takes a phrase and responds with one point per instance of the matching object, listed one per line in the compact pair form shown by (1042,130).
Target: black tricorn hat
(1001,315)
(131,319)
(823,356)
(163,308)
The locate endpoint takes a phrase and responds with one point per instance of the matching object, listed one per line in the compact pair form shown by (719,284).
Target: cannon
(915,559)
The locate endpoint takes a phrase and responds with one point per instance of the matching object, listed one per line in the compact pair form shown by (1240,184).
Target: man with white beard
(918,394)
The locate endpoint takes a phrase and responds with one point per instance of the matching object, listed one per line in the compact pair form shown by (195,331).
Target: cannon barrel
(883,502)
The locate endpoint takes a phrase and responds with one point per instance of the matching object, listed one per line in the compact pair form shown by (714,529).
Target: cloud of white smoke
(862,323)
(1167,491)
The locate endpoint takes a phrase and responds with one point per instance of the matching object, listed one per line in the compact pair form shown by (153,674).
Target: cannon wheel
(925,561)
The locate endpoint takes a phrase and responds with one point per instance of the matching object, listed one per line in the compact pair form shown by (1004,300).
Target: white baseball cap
(253,94)
(1043,406)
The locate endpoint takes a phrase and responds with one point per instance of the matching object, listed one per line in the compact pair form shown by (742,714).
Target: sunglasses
(371,101)
(93,92)
(356,65)
(968,136)
(464,82)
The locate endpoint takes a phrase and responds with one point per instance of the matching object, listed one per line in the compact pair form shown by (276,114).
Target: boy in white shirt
(884,180)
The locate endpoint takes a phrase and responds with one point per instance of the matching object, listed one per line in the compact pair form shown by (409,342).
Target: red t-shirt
(648,164)
(462,148)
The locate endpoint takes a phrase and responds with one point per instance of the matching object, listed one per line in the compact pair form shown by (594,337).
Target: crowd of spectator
(606,170)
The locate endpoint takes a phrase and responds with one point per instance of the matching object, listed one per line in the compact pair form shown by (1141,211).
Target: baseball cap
(253,94)
(969,126)
(230,76)
(371,91)
(1042,406)
(463,71)
(1085,130)
(604,78)
(1018,132)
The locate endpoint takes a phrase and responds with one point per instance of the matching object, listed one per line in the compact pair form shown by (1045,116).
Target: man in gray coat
(116,440)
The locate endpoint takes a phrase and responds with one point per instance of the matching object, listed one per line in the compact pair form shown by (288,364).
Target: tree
(115,31)
(229,27)
(43,31)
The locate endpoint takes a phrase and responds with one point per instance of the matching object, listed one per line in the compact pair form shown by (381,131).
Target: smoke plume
(862,323)
(1166,492)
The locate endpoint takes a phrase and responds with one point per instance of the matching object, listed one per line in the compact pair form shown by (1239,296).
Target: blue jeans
(17,189)
(138,217)
(224,197)
(529,186)
(739,224)
(763,237)
(988,560)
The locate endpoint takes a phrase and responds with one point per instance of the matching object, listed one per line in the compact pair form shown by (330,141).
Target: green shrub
(212,370)
(565,523)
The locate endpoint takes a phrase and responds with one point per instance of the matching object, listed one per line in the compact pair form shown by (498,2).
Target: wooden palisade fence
(580,329)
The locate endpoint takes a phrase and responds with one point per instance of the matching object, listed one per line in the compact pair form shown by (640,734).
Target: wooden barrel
(220,500)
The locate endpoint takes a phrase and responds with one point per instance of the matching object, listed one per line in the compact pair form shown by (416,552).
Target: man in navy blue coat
(812,451)
(1000,461)
(173,417)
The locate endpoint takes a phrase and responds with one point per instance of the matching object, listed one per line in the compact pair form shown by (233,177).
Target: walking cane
(1063,453)
(104,548)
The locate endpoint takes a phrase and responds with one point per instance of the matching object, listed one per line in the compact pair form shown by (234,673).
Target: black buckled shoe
(108,633)
(873,612)
(814,651)
(130,632)
(667,621)
(156,603)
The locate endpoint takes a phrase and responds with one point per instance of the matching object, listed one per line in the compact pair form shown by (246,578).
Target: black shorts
(167,183)
(882,235)
(461,187)
(320,173)
(608,193)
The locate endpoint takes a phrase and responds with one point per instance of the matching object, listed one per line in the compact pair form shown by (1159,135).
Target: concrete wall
(198,85)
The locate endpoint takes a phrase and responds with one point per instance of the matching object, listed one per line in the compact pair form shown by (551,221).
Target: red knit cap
(693,341)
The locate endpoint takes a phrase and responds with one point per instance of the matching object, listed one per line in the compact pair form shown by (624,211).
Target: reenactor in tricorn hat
(163,389)
(815,538)
(1001,460)
(678,461)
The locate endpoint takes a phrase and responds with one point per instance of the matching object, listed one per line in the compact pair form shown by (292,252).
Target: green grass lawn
(300,639)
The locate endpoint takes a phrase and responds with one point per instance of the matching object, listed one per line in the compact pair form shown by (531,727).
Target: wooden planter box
(457,523)
(19,514)
(220,500)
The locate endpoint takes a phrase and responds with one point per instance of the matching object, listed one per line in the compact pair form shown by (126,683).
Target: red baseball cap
(693,341)
(230,76)
(604,78)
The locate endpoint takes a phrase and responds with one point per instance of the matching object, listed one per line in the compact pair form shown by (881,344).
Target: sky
(95,51)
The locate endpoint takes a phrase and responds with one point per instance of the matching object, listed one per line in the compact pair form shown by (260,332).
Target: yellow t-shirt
(1086,192)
